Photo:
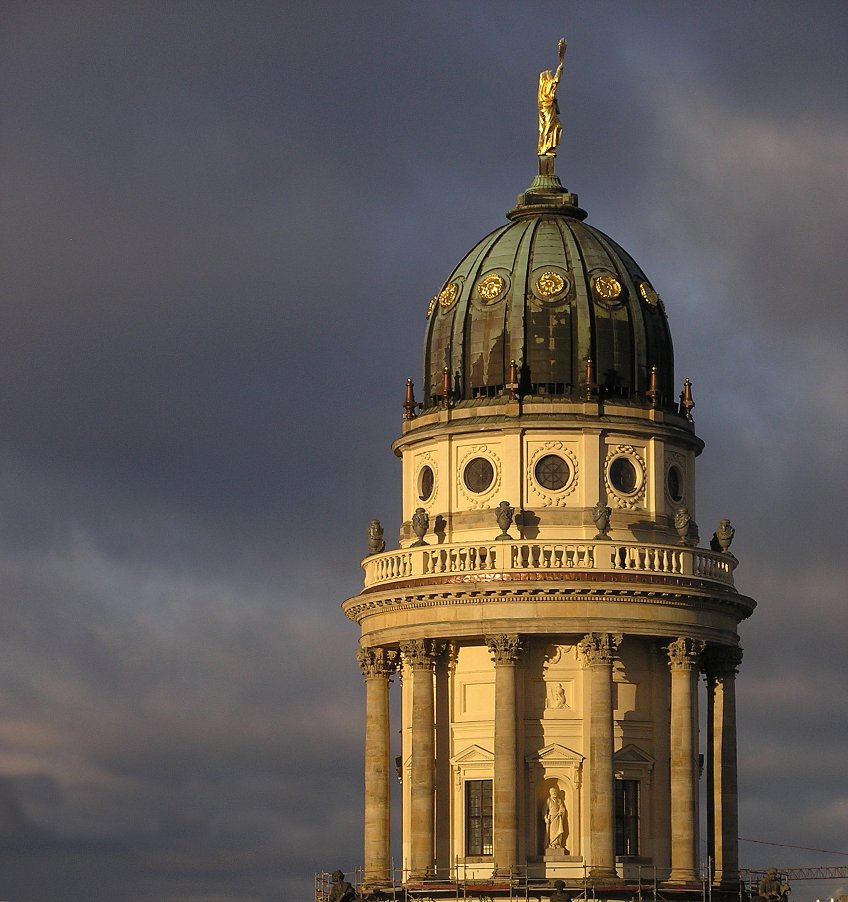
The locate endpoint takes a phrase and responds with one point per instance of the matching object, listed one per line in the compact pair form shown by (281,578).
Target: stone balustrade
(506,557)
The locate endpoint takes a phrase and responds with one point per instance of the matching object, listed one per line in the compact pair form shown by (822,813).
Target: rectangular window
(478,817)
(626,817)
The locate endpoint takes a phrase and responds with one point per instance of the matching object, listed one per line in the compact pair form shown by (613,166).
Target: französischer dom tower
(550,607)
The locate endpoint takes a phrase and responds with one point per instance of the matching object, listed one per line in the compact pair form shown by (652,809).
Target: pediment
(632,755)
(555,754)
(474,754)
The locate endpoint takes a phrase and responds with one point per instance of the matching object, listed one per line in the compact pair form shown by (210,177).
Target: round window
(674,484)
(478,474)
(426,482)
(623,476)
(552,472)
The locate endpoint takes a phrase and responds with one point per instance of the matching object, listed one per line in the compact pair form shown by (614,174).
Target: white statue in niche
(556,820)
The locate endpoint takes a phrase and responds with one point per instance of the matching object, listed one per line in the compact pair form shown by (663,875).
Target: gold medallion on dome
(549,284)
(490,287)
(606,286)
(648,293)
(432,305)
(447,295)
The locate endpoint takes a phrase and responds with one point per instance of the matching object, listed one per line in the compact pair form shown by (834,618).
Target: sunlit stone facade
(550,606)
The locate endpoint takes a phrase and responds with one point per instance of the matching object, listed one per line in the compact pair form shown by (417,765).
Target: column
(505,651)
(683,656)
(598,653)
(377,664)
(720,666)
(419,656)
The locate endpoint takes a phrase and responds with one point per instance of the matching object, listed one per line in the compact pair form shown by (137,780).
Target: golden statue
(550,128)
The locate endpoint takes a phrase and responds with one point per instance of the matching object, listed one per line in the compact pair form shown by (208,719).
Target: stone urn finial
(722,537)
(504,514)
(601,514)
(686,527)
(420,525)
(376,542)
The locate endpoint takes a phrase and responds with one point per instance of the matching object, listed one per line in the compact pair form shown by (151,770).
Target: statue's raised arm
(550,128)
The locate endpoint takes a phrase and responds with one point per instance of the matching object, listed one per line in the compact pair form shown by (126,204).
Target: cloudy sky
(221,224)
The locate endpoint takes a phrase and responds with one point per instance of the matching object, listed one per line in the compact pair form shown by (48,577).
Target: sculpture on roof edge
(722,537)
(601,514)
(376,542)
(420,525)
(550,128)
(772,888)
(504,514)
(341,890)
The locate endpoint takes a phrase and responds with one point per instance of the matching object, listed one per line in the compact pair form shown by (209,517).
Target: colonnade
(686,658)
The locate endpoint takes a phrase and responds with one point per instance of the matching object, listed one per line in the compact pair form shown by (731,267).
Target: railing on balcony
(514,556)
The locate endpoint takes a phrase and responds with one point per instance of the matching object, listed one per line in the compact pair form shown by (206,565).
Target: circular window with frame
(624,476)
(552,472)
(674,484)
(478,475)
(426,483)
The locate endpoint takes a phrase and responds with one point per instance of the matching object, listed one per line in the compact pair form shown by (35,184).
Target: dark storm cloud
(221,226)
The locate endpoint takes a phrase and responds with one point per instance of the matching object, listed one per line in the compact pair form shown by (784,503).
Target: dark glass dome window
(674,484)
(623,476)
(426,483)
(478,475)
(552,472)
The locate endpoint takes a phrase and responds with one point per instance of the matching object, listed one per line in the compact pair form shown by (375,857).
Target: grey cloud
(221,230)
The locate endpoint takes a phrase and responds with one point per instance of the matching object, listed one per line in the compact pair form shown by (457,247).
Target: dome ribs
(548,339)
(529,292)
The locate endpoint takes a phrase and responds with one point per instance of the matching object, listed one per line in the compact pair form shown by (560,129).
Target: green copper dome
(549,292)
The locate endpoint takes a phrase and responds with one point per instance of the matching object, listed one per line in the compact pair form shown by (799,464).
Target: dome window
(674,484)
(478,475)
(624,476)
(426,483)
(552,472)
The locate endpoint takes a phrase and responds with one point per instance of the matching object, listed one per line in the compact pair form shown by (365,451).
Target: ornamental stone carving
(377,661)
(598,648)
(722,537)
(601,518)
(419,654)
(720,662)
(504,513)
(420,525)
(684,653)
(376,542)
(504,649)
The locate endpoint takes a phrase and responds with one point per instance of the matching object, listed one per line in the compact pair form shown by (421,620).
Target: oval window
(478,474)
(623,476)
(552,472)
(426,483)
(674,484)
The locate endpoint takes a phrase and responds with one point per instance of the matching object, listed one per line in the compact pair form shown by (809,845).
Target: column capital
(720,662)
(598,648)
(504,649)
(377,661)
(684,653)
(420,654)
